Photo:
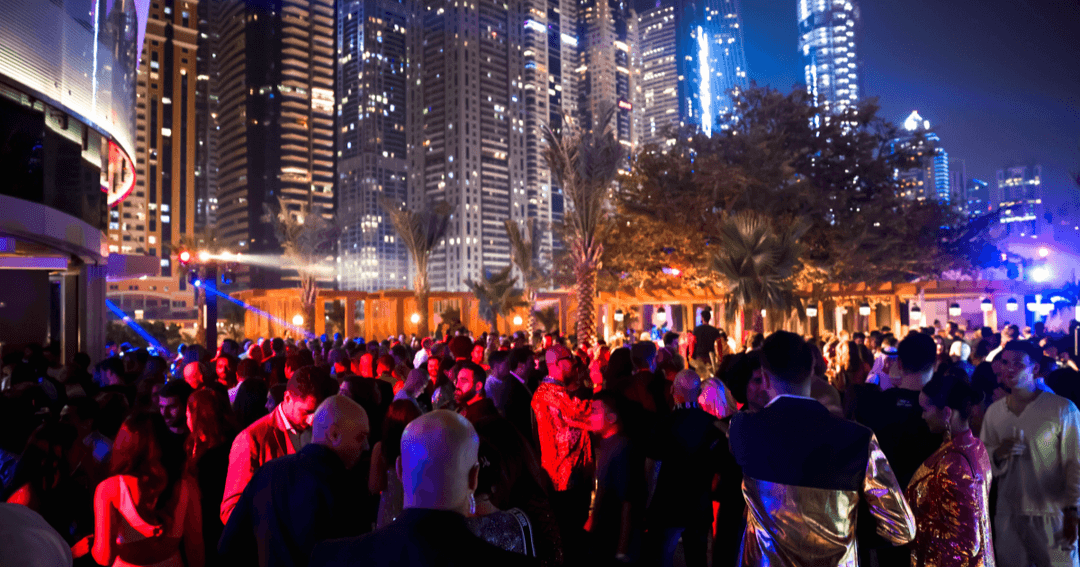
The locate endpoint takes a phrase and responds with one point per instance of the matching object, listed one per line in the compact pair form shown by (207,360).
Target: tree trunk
(421,292)
(530,297)
(309,293)
(585,288)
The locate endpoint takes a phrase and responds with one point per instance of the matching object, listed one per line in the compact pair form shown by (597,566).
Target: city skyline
(997,80)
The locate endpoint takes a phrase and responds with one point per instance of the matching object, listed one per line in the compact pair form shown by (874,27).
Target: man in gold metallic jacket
(805,471)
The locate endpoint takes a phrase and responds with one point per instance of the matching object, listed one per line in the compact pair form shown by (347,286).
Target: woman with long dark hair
(148,509)
(950,492)
(383,479)
(210,420)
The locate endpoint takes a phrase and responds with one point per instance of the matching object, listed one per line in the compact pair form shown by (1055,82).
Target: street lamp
(184,257)
(864,309)
(916,313)
(517,320)
(986,305)
(661,316)
(298,320)
(1044,251)
(954,310)
(619,315)
(1012,304)
(204,256)
(415,318)
(811,311)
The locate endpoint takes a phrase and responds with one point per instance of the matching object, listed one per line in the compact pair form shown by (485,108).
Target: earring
(472,504)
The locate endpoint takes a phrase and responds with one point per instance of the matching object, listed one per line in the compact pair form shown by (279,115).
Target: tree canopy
(780,160)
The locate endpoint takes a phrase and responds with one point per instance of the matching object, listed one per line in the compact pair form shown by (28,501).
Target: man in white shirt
(1033,437)
(424,353)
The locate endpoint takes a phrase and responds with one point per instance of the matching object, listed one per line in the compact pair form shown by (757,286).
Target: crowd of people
(930,446)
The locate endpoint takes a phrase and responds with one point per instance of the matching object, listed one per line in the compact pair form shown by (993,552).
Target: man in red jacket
(277,434)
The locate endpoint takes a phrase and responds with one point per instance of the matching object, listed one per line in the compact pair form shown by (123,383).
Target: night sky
(999,80)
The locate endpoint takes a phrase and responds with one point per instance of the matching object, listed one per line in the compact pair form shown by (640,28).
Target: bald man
(439,471)
(297,501)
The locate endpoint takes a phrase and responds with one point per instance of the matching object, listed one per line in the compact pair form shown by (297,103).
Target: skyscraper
(276,118)
(977,198)
(467,128)
(162,208)
(828,32)
(692,59)
(206,117)
(606,31)
(1018,194)
(371,90)
(922,169)
(551,60)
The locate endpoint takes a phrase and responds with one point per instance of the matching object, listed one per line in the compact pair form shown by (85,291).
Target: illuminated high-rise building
(691,59)
(275,83)
(922,165)
(977,198)
(371,165)
(206,115)
(551,59)
(466,127)
(1018,194)
(162,208)
(828,41)
(606,31)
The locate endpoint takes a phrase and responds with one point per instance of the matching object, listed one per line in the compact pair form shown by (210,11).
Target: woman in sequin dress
(950,492)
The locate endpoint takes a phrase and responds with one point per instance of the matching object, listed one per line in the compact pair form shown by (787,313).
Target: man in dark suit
(299,500)
(469,395)
(805,471)
(439,471)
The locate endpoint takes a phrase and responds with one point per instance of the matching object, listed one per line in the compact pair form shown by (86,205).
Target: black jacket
(291,504)
(418,538)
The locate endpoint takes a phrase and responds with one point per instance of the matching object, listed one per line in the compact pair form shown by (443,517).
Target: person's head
(172,404)
(477,355)
(250,402)
(385,365)
(361,365)
(959,350)
(1019,365)
(858,338)
(139,451)
(917,354)
(947,403)
(112,371)
(398,415)
(196,374)
(415,384)
(439,465)
(434,365)
(468,380)
(521,360)
(500,363)
(338,360)
(706,316)
(786,362)
(687,387)
(671,340)
(614,409)
(278,346)
(247,368)
(341,425)
(1010,333)
(302,397)
(560,363)
(225,367)
(208,419)
(643,355)
(461,347)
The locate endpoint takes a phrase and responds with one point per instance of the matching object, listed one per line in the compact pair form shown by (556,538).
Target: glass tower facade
(828,31)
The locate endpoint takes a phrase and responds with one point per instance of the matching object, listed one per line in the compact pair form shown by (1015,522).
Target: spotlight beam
(299,330)
(136,327)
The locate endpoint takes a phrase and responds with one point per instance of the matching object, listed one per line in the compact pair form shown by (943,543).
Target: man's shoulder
(1059,403)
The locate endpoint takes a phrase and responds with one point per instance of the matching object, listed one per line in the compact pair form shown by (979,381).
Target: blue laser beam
(300,330)
(137,328)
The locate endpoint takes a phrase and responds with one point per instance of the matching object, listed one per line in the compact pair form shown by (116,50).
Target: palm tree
(758,264)
(497,296)
(525,253)
(307,238)
(548,317)
(585,164)
(421,232)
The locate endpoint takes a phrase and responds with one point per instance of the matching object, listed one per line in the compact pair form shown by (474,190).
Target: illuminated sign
(625,105)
